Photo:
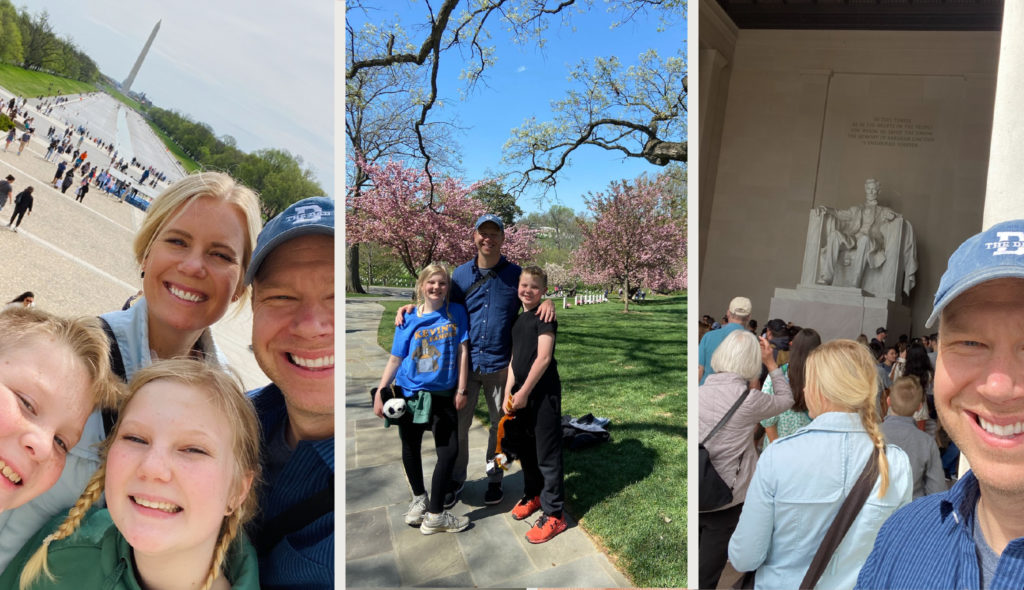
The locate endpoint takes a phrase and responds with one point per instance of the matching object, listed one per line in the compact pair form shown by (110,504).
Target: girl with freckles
(178,474)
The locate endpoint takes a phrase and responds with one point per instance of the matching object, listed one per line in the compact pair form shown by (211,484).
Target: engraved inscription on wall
(896,132)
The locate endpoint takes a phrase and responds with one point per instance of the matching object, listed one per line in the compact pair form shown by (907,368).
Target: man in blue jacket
(292,275)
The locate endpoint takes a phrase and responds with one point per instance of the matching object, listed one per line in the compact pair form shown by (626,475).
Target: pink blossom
(634,240)
(397,212)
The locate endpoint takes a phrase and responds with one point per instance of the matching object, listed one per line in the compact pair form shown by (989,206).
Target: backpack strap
(117,367)
(295,518)
(488,274)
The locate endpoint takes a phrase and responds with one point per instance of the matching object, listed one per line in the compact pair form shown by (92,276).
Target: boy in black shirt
(534,394)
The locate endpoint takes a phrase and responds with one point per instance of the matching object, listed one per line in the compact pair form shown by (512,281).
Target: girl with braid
(178,473)
(801,480)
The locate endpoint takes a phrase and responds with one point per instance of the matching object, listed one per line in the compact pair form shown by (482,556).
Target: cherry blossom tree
(400,211)
(634,239)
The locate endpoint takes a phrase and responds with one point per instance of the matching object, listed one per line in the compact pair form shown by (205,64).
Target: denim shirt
(493,308)
(930,544)
(800,482)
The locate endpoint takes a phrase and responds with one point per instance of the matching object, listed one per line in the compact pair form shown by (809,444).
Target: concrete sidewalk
(382,551)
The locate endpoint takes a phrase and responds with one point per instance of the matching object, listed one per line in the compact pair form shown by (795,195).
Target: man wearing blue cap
(488,287)
(973,535)
(292,276)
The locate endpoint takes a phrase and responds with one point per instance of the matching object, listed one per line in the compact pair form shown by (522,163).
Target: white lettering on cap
(308,214)
(1007,240)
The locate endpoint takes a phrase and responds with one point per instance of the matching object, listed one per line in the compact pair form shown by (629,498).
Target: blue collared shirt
(708,344)
(800,482)
(929,544)
(304,558)
(493,308)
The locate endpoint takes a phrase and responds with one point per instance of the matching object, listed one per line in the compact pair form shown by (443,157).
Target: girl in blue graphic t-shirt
(430,364)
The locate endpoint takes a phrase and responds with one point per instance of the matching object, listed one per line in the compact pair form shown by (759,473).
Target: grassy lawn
(631,492)
(31,84)
(124,98)
(188,163)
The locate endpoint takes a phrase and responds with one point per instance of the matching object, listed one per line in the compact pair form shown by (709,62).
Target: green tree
(279,178)
(39,44)
(10,35)
(498,201)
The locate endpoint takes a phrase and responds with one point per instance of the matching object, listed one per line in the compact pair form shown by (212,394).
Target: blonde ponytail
(36,564)
(843,372)
(228,531)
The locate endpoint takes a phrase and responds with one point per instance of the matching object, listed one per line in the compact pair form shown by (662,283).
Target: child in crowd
(905,398)
(533,394)
(430,364)
(53,372)
(178,473)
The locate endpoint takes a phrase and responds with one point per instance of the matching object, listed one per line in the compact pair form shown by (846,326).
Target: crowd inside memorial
(834,463)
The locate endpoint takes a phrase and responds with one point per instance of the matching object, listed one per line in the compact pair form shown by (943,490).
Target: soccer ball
(394,408)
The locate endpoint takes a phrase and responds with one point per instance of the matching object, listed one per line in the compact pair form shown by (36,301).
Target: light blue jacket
(800,482)
(131,329)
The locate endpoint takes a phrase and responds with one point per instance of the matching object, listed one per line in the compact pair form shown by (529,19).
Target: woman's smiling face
(193,270)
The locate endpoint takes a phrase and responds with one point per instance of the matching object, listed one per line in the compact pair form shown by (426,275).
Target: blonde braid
(228,532)
(868,418)
(37,563)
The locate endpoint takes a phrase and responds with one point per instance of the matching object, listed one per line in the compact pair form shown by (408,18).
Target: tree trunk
(352,283)
(625,293)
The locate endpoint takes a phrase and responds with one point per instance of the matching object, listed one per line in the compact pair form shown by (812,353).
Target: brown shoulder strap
(847,514)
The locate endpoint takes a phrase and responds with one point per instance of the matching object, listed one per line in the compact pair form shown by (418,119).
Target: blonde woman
(193,248)
(178,474)
(429,361)
(801,480)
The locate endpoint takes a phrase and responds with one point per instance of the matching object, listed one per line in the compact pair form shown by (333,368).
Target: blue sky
(526,79)
(260,71)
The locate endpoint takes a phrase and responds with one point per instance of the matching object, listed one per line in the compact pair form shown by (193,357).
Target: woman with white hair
(737,364)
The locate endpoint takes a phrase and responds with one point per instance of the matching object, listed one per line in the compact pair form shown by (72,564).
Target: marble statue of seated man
(855,238)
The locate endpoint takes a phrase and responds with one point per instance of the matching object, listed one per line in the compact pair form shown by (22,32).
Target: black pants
(19,212)
(443,422)
(541,457)
(713,533)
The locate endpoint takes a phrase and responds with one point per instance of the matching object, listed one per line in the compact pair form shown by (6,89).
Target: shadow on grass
(609,468)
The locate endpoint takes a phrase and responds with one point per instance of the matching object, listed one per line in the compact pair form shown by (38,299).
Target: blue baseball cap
(492,218)
(314,215)
(996,253)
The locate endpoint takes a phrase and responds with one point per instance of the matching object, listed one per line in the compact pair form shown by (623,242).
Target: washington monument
(138,62)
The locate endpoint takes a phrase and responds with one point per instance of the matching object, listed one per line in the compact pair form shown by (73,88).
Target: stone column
(1004,193)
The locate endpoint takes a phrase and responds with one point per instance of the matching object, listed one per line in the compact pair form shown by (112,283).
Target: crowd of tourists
(834,464)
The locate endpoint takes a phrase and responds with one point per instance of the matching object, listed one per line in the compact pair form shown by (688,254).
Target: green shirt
(97,557)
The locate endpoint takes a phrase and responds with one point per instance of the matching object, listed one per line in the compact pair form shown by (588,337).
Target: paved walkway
(77,257)
(382,551)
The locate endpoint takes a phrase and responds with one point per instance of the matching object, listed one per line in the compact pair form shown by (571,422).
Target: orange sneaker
(525,507)
(545,529)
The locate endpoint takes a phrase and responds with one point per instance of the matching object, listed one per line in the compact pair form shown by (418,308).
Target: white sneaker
(446,522)
(417,508)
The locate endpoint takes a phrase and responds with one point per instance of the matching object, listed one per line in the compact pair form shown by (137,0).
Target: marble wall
(807,116)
